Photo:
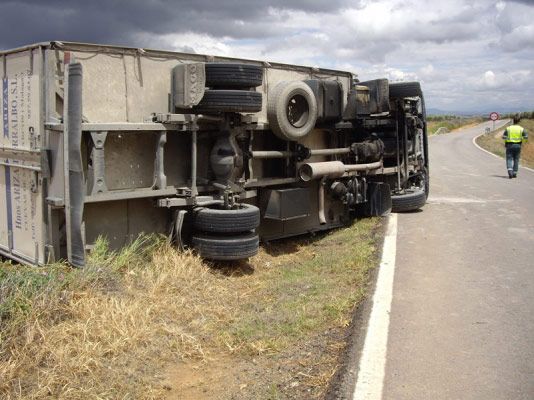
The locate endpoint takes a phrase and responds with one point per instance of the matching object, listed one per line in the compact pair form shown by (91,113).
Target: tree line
(449,117)
(523,115)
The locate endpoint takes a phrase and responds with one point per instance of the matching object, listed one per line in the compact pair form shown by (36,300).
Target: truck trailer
(216,153)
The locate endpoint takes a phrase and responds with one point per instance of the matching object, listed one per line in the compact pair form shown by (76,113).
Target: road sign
(494,116)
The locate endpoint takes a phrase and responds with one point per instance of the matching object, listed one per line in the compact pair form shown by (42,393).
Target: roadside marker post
(494,116)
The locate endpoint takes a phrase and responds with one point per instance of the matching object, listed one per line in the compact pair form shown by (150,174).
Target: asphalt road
(462,316)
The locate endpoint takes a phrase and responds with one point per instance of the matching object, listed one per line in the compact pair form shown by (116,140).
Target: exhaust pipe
(332,169)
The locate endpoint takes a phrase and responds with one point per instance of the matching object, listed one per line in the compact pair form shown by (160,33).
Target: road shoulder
(362,327)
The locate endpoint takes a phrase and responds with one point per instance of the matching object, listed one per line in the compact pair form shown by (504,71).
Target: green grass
(310,293)
(23,287)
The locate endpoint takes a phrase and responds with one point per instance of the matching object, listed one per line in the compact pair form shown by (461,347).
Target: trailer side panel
(20,162)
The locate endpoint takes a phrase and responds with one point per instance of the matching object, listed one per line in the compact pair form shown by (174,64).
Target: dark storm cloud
(117,21)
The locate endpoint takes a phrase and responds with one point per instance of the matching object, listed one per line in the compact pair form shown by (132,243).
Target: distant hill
(437,111)
(503,110)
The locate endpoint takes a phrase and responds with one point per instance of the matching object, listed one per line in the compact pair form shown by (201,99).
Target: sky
(473,55)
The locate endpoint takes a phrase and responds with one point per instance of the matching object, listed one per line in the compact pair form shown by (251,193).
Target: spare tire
(291,110)
(215,247)
(216,219)
(233,75)
(217,101)
(405,89)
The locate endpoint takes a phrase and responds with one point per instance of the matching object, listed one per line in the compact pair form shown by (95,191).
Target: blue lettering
(16,190)
(5,107)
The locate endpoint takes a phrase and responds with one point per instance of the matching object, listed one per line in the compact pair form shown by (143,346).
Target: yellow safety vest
(515,134)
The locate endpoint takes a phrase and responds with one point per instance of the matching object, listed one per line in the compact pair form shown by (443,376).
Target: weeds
(106,330)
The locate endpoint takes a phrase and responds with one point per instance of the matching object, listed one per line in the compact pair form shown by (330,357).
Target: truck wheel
(405,89)
(238,247)
(217,101)
(216,219)
(233,75)
(410,201)
(291,110)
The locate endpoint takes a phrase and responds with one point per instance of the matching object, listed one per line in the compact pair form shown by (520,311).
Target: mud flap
(378,200)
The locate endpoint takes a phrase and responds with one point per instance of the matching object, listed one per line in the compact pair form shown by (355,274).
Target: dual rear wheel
(226,234)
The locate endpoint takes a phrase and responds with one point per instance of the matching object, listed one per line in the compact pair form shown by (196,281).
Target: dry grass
(527,153)
(91,337)
(107,330)
(493,143)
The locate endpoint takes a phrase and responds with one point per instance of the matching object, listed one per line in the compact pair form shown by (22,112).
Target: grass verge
(133,322)
(493,142)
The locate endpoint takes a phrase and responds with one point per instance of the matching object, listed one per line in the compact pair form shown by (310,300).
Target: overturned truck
(216,153)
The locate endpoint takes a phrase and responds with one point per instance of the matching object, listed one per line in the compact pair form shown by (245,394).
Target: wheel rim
(298,111)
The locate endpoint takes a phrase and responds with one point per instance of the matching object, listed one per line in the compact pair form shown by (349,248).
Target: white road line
(372,367)
(495,155)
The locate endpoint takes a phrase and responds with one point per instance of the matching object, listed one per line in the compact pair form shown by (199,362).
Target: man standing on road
(513,137)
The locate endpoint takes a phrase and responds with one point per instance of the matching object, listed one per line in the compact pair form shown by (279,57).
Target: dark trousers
(513,151)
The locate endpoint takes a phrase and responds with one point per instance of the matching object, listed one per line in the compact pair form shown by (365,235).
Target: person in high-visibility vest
(513,137)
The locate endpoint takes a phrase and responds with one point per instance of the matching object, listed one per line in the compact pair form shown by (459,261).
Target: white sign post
(494,116)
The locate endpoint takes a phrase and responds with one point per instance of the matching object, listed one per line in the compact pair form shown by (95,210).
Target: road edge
(372,365)
(344,384)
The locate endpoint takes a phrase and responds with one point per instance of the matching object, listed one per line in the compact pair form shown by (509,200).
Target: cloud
(528,2)
(518,39)
(489,81)
(114,20)
(516,27)
(469,54)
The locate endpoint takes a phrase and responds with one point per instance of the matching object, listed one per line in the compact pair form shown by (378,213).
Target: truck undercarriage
(231,153)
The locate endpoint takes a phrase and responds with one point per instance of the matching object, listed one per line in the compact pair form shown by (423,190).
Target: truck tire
(233,75)
(410,201)
(216,219)
(405,89)
(214,247)
(217,101)
(291,110)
